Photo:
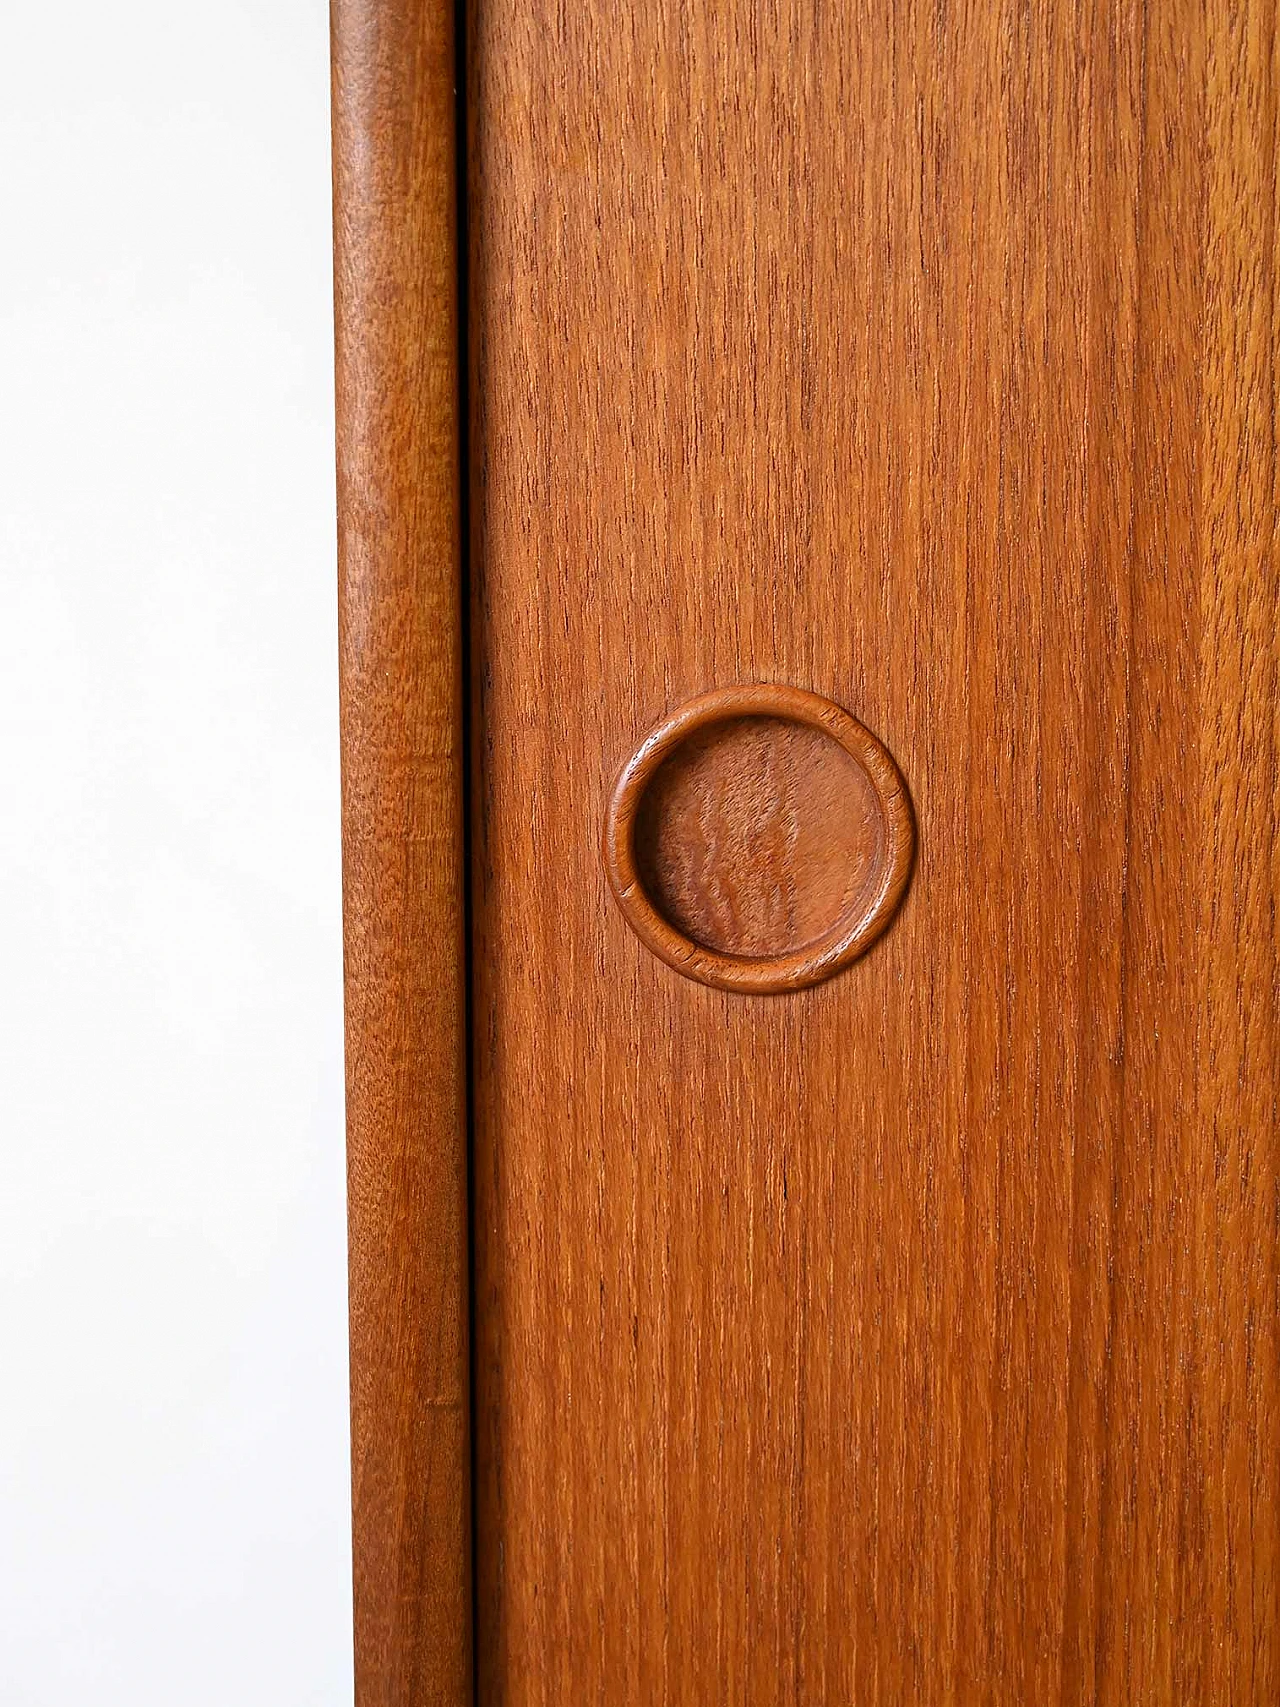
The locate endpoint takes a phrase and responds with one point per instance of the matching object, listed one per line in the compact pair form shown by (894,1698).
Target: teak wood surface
(912,1338)
(760,839)
(400,638)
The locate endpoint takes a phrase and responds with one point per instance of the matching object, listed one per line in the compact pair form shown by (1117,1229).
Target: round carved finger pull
(759,839)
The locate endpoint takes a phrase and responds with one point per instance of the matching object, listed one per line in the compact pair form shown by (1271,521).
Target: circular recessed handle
(759,839)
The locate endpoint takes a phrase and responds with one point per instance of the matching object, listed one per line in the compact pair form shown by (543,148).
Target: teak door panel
(913,1337)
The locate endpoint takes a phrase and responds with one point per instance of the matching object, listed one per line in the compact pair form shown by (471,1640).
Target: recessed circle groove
(759,839)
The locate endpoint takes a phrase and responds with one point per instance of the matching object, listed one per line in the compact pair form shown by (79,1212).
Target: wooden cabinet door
(837,941)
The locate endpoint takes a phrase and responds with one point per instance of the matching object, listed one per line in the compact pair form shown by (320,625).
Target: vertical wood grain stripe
(395,255)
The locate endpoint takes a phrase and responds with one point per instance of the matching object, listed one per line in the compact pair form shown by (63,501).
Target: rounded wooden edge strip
(400,658)
(849,937)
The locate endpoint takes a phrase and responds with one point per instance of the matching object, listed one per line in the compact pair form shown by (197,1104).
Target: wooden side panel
(400,636)
(912,1338)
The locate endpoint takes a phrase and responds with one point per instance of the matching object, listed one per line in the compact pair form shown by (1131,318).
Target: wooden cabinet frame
(918,362)
(395,120)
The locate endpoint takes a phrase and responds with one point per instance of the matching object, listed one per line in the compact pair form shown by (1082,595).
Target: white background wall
(173,1424)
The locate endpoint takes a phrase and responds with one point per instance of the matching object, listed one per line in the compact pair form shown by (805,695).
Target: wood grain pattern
(400,640)
(912,1338)
(759,838)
